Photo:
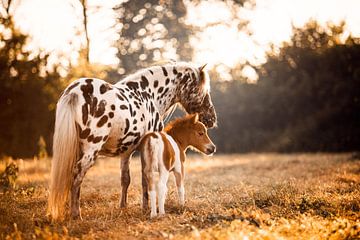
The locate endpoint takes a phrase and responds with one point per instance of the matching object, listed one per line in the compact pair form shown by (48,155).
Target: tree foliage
(152,31)
(28,93)
(307,97)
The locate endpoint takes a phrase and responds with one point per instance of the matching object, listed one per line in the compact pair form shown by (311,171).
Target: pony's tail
(65,154)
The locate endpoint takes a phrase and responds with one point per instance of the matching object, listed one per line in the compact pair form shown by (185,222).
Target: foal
(164,152)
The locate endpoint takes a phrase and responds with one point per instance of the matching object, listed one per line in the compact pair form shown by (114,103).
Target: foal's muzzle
(211,149)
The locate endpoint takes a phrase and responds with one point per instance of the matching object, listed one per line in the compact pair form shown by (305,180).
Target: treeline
(307,98)
(28,94)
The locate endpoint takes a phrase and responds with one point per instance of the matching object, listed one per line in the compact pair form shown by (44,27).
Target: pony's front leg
(125,180)
(82,166)
(162,189)
(180,186)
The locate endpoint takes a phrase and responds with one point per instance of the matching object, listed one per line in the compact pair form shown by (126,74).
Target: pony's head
(195,97)
(189,131)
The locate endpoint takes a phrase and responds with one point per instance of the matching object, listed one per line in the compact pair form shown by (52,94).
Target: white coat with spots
(94,117)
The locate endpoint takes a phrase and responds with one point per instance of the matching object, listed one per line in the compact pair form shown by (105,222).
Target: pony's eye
(201,133)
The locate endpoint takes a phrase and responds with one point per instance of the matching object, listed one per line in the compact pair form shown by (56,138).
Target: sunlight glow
(56,26)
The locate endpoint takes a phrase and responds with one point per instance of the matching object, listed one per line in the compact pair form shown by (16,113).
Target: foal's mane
(178,122)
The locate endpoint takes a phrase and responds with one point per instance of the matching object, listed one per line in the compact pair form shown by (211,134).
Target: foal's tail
(65,154)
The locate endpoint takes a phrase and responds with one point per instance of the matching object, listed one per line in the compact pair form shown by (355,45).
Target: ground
(243,196)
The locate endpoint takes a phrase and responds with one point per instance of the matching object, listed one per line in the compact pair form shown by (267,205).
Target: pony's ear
(195,118)
(202,67)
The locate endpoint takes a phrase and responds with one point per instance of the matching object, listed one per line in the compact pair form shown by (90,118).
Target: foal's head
(189,131)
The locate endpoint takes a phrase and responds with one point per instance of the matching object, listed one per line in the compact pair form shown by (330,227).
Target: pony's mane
(178,122)
(203,76)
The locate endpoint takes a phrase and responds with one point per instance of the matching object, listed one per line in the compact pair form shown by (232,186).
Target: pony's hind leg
(82,166)
(144,183)
(125,180)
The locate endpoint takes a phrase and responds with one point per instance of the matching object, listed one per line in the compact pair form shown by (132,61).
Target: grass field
(248,196)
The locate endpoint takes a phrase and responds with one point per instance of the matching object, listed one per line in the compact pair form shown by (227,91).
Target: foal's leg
(180,186)
(125,180)
(80,169)
(150,178)
(162,189)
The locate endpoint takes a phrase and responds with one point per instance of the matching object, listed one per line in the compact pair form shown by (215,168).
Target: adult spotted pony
(94,117)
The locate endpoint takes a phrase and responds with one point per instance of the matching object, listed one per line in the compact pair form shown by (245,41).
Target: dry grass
(254,196)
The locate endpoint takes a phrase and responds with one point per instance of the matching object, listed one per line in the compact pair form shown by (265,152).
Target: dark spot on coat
(152,108)
(130,110)
(127,126)
(123,107)
(135,121)
(144,82)
(193,77)
(97,139)
(161,126)
(84,134)
(120,97)
(109,124)
(132,85)
(87,90)
(84,113)
(167,81)
(104,88)
(105,137)
(90,138)
(71,87)
(102,121)
(164,71)
(156,83)
(156,119)
(160,89)
(100,109)
(163,94)
(111,114)
(152,73)
(175,71)
(112,107)
(93,105)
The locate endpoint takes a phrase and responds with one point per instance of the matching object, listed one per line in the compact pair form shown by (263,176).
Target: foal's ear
(195,118)
(202,67)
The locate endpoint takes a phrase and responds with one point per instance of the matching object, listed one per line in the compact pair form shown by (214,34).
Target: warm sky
(52,25)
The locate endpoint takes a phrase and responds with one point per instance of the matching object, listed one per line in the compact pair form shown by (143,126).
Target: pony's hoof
(123,204)
(76,216)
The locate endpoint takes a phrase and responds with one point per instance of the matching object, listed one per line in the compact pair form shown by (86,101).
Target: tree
(27,94)
(151,31)
(306,99)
